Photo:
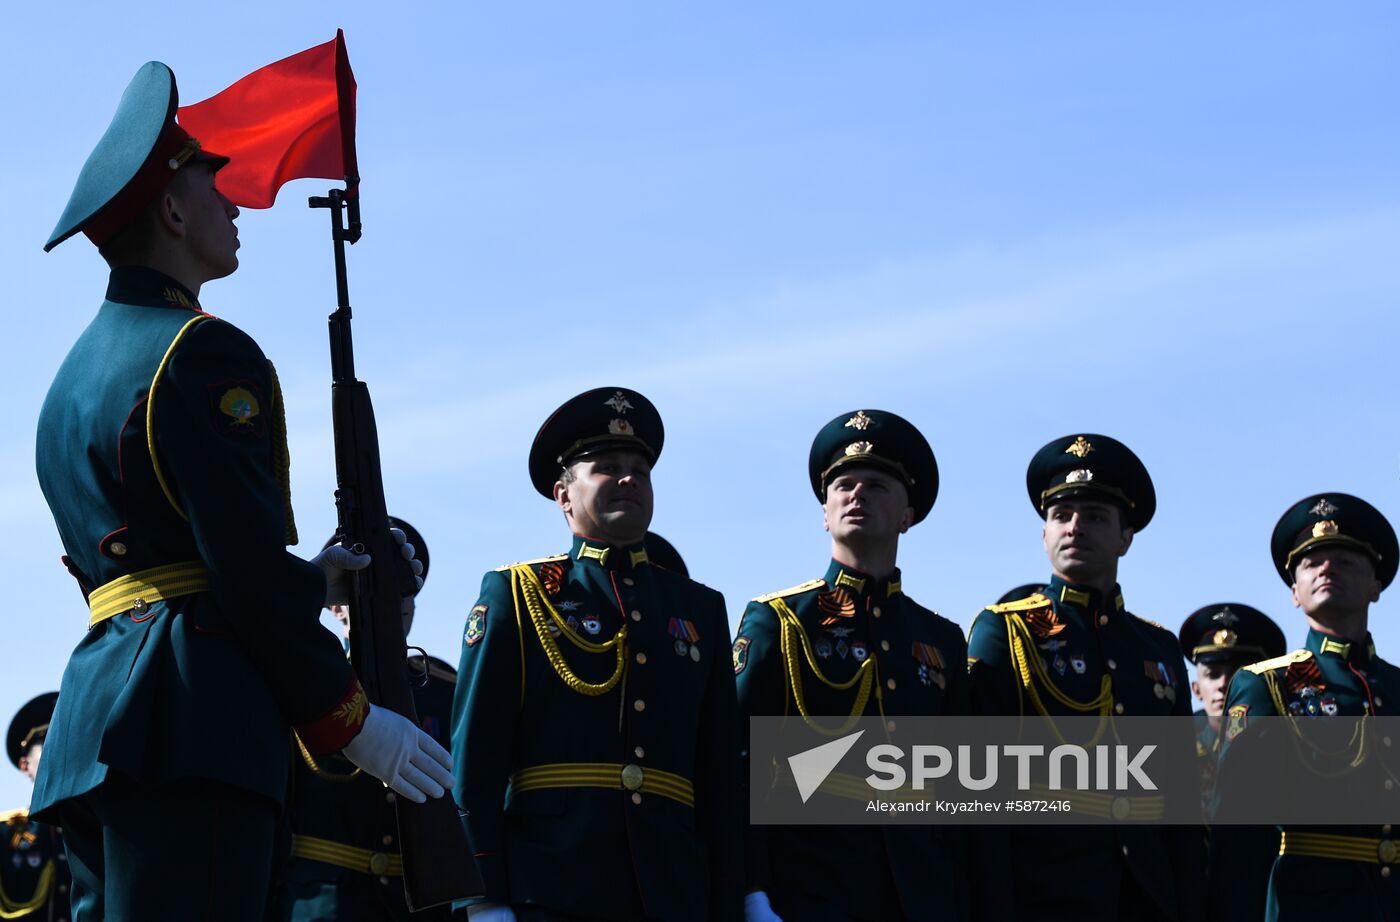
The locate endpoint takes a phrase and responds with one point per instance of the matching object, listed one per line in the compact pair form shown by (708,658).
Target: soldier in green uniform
(162,455)
(34,878)
(868,650)
(344,863)
(594,725)
(1219,639)
(1075,650)
(1337,553)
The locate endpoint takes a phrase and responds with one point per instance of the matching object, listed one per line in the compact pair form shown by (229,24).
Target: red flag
(292,119)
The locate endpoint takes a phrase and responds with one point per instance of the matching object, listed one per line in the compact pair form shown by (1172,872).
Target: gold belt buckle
(632,776)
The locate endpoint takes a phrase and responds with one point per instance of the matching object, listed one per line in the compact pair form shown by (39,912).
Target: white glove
(410,553)
(338,563)
(490,912)
(392,749)
(757,908)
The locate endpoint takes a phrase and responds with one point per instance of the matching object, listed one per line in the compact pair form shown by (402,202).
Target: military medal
(1329,706)
(930,664)
(1059,664)
(592,624)
(686,635)
(841,648)
(858,650)
(823,648)
(1077,663)
(572,622)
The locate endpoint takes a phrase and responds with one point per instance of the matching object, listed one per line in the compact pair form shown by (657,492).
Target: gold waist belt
(609,775)
(1342,848)
(1106,806)
(137,591)
(380,864)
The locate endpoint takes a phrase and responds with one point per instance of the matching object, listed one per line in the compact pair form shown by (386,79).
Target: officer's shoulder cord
(793,637)
(525,586)
(1031,669)
(151,412)
(1358,735)
(317,770)
(43,889)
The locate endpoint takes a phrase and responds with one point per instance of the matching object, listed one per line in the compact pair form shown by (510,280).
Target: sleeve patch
(1238,720)
(237,409)
(476,625)
(741,654)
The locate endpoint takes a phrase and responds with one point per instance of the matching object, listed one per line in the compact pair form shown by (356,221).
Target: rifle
(437,862)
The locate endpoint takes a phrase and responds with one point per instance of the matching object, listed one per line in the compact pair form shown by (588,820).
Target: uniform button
(890,684)
(1385,872)
(383,881)
(876,611)
(641,753)
(1103,619)
(1386,741)
(628,581)
(636,798)
(636,615)
(889,725)
(388,840)
(639,705)
(378,863)
(389,797)
(1125,851)
(1118,709)
(139,606)
(1389,785)
(1385,830)
(1112,664)
(117,548)
(642,658)
(885,645)
(1379,702)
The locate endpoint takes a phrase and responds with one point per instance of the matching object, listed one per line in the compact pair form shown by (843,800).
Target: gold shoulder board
(1280,662)
(15,817)
(784,593)
(530,563)
(1149,621)
(1029,603)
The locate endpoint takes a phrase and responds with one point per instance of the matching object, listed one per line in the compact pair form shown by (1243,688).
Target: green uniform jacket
(1093,871)
(34,878)
(1248,876)
(616,847)
(200,686)
(854,872)
(332,803)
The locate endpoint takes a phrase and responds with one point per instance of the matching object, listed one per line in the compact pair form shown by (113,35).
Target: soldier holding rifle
(162,455)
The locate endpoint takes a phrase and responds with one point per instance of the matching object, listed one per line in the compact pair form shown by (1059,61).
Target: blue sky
(1006,223)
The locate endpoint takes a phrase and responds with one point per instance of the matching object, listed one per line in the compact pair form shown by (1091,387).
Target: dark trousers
(187,851)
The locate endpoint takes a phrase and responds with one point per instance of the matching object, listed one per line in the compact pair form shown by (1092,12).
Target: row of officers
(597,713)
(211,750)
